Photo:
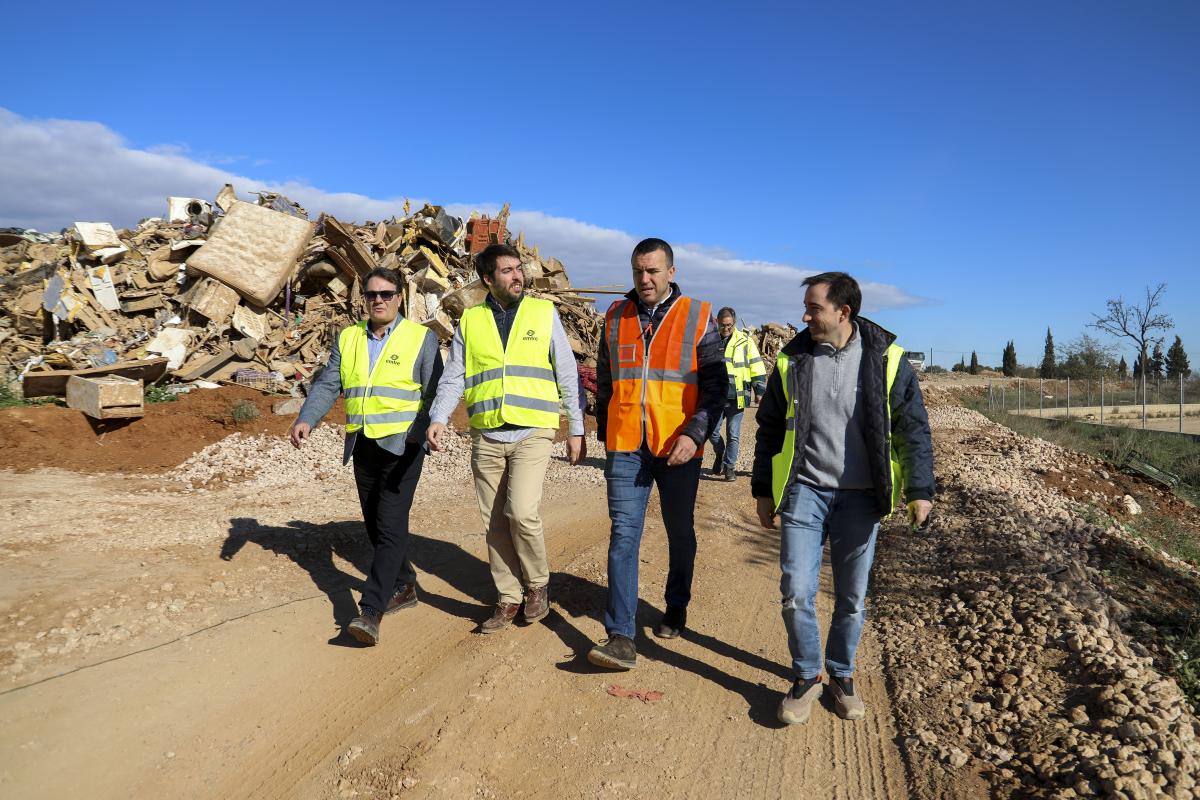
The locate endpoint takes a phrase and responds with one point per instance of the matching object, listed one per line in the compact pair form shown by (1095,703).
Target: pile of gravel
(1006,651)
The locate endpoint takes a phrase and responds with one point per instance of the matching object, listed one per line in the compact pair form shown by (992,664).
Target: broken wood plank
(54,383)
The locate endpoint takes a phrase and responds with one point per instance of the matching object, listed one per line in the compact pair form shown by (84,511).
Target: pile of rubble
(238,291)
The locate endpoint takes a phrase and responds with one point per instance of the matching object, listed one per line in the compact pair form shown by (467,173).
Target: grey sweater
(835,456)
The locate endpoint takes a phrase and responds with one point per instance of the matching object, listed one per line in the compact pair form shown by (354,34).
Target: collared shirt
(375,344)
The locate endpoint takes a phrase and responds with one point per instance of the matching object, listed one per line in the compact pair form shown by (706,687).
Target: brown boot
(404,597)
(537,603)
(501,618)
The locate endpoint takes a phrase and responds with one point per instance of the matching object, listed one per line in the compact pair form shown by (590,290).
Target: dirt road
(198,634)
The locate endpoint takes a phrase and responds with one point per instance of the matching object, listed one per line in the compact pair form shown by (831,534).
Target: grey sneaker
(615,652)
(846,703)
(798,702)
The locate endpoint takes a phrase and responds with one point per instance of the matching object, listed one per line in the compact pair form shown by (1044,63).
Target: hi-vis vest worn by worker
(781,462)
(512,384)
(382,401)
(656,388)
(743,364)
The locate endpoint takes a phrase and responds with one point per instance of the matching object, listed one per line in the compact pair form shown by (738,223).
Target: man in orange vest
(661,384)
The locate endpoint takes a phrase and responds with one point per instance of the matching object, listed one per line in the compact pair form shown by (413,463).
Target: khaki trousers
(508,485)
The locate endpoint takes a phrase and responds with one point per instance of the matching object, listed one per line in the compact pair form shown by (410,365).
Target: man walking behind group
(387,369)
(511,355)
(661,384)
(746,372)
(842,435)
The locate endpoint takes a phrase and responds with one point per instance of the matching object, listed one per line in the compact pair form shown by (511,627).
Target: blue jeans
(849,519)
(726,452)
(630,477)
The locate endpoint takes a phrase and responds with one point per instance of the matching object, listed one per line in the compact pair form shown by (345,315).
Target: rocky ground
(167,636)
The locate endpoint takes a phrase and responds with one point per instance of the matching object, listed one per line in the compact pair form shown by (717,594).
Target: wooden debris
(105,397)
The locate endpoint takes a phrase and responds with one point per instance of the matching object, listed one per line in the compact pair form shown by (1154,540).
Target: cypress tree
(1177,360)
(1048,367)
(1154,368)
(1122,369)
(974,368)
(1010,360)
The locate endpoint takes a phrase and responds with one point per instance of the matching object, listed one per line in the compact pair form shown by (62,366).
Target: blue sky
(992,169)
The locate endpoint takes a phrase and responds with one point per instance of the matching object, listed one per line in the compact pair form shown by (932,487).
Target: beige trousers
(508,485)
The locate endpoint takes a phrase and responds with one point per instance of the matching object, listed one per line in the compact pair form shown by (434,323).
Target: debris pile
(241,291)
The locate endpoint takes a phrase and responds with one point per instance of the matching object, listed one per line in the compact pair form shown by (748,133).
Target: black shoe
(405,596)
(365,626)
(717,468)
(729,475)
(672,623)
(615,652)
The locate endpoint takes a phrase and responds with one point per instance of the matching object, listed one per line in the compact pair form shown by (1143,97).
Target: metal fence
(1148,403)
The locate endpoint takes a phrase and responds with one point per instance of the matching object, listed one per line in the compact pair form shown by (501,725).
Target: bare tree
(1136,322)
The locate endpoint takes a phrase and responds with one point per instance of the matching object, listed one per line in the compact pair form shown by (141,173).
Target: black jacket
(710,362)
(910,424)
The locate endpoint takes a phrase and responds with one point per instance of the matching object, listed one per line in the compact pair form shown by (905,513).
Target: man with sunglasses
(512,358)
(387,369)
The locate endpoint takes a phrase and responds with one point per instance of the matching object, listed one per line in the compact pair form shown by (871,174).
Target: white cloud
(55,172)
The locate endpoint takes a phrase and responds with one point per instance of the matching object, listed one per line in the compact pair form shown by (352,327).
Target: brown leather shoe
(537,603)
(365,627)
(404,597)
(501,618)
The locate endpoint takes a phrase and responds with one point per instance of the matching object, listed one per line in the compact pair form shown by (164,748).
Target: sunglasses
(385,295)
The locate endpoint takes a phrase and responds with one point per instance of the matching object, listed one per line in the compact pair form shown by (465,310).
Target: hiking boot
(365,627)
(501,618)
(729,475)
(717,469)
(615,652)
(846,703)
(798,702)
(537,603)
(672,623)
(404,597)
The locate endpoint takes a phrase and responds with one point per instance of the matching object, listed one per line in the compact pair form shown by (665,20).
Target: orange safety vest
(656,388)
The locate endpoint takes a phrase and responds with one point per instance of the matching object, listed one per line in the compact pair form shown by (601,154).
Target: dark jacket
(710,360)
(910,424)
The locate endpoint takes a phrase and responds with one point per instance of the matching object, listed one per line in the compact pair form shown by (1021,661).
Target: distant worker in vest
(511,356)
(386,368)
(842,437)
(747,375)
(661,384)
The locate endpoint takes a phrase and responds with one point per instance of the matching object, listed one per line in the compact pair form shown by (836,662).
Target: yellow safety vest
(781,462)
(743,364)
(385,400)
(512,384)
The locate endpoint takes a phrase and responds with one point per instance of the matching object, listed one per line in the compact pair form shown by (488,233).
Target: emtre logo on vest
(530,336)
(393,359)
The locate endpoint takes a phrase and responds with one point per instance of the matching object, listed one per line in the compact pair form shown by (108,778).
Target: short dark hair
(727,312)
(842,290)
(389,275)
(647,246)
(485,261)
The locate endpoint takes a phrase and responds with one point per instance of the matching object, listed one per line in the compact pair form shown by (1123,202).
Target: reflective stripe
(789,424)
(395,393)
(531,402)
(658,375)
(381,391)
(492,403)
(614,334)
(487,375)
(519,371)
(689,337)
(755,360)
(381,419)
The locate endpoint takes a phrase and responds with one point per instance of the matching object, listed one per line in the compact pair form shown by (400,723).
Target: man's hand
(766,512)
(576,449)
(433,436)
(299,433)
(918,512)
(681,452)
